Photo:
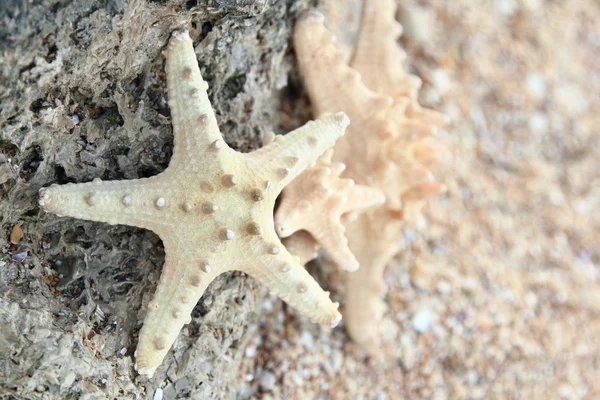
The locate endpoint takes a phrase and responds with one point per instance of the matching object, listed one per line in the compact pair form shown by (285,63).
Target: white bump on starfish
(195,93)
(160,202)
(187,206)
(159,344)
(218,234)
(285,267)
(90,199)
(217,144)
(195,281)
(226,234)
(301,288)
(283,172)
(206,267)
(256,194)
(273,249)
(208,207)
(126,200)
(229,180)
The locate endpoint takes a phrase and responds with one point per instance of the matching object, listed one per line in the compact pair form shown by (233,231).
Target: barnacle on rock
(387,145)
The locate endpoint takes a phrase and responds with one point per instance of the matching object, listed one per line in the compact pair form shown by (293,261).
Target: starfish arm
(332,85)
(429,117)
(343,19)
(187,272)
(287,221)
(137,202)
(290,216)
(422,191)
(361,197)
(195,128)
(424,153)
(301,244)
(287,156)
(374,240)
(378,57)
(326,229)
(331,234)
(287,279)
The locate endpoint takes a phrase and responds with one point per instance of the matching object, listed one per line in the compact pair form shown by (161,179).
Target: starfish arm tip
(286,278)
(342,255)
(181,285)
(302,245)
(82,200)
(287,156)
(45,198)
(338,319)
(179,36)
(147,372)
(352,266)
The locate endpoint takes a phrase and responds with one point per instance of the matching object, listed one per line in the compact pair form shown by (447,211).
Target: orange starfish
(315,202)
(386,146)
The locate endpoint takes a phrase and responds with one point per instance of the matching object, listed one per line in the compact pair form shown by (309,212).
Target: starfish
(386,146)
(212,208)
(319,191)
(302,245)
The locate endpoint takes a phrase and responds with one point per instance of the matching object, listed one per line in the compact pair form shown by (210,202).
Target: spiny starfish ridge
(386,146)
(212,208)
(319,191)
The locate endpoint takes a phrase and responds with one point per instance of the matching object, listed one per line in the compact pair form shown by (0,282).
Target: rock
(83,97)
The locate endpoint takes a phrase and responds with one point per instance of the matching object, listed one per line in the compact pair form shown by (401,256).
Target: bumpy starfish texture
(212,208)
(343,19)
(315,202)
(386,146)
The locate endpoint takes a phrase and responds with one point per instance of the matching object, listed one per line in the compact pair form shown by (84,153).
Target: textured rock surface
(82,96)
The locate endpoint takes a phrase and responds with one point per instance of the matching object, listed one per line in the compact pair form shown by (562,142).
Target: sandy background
(496,294)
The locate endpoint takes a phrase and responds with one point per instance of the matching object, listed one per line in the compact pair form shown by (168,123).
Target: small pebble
(441,81)
(19,257)
(536,85)
(423,320)
(307,340)
(250,351)
(297,378)
(16,234)
(538,123)
(444,287)
(267,381)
